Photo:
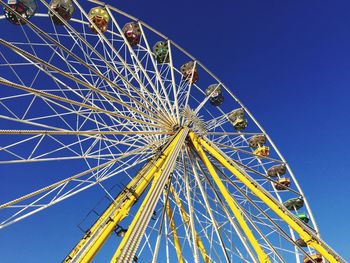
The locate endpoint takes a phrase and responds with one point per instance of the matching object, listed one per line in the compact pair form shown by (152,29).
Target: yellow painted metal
(262,256)
(186,219)
(311,240)
(156,176)
(118,210)
(174,232)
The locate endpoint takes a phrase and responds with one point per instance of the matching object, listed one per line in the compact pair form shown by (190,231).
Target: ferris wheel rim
(228,91)
(210,73)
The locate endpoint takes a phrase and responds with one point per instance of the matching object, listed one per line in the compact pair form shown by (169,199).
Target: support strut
(311,239)
(263,258)
(96,236)
(131,241)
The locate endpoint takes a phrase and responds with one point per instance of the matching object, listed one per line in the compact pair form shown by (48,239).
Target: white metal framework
(106,108)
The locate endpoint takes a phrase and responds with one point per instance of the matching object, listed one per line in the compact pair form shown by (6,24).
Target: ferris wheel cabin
(100,18)
(132,33)
(161,51)
(257,142)
(237,119)
(20,9)
(189,72)
(64,9)
(214,92)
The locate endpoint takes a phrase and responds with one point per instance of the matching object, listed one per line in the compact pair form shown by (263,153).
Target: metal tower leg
(306,234)
(132,239)
(230,201)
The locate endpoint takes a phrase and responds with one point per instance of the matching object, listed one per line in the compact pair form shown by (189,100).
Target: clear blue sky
(289,62)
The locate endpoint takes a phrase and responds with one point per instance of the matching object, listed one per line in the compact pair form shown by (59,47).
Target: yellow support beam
(186,219)
(174,232)
(311,240)
(93,240)
(140,221)
(262,256)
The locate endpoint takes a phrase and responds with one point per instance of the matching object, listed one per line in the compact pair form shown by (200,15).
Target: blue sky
(289,63)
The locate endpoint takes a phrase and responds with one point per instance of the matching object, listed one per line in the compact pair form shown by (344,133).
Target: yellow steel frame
(156,175)
(89,245)
(174,232)
(310,239)
(262,256)
(118,209)
(186,219)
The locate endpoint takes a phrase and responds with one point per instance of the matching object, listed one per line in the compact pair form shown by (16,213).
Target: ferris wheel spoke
(28,90)
(273,222)
(36,29)
(63,147)
(197,211)
(44,94)
(261,165)
(69,101)
(209,210)
(176,104)
(269,245)
(64,158)
(135,57)
(35,54)
(77,176)
(188,220)
(181,92)
(45,132)
(254,225)
(36,64)
(41,126)
(187,96)
(217,122)
(116,53)
(174,232)
(70,64)
(261,254)
(56,81)
(47,196)
(157,73)
(233,133)
(228,216)
(278,230)
(270,201)
(201,105)
(291,239)
(123,142)
(209,237)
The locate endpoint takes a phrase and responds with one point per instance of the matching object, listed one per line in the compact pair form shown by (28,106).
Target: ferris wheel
(90,88)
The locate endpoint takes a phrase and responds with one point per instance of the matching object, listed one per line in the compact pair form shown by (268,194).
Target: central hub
(176,127)
(194,121)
